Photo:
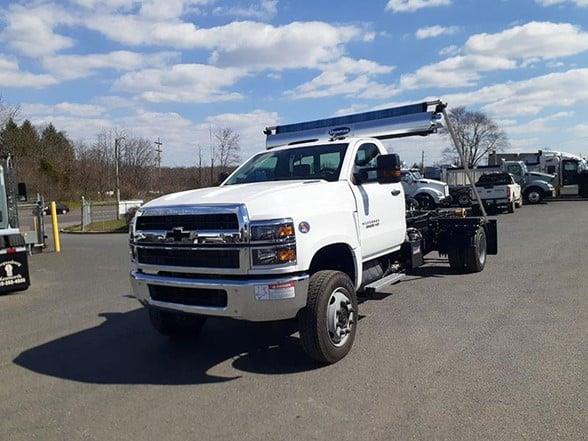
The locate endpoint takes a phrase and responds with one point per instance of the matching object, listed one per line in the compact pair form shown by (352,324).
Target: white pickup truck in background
(499,191)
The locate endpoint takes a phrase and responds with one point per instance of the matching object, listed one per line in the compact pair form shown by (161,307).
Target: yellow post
(56,240)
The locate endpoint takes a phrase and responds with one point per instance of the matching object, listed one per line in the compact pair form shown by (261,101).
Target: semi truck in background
(14,268)
(570,170)
(535,186)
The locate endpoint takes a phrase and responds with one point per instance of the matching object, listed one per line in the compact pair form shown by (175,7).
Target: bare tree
(478,134)
(227,147)
(8,112)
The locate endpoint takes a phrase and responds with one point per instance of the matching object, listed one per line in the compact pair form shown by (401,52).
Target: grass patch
(107,226)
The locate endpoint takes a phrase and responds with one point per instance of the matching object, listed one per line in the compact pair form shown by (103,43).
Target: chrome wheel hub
(340,317)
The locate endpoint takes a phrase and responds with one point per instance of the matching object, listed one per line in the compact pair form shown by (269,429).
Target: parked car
(60,207)
(429,193)
(500,191)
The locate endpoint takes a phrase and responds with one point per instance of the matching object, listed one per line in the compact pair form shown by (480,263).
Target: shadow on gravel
(124,349)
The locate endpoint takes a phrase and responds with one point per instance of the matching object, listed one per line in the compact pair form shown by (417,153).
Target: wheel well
(334,257)
(533,187)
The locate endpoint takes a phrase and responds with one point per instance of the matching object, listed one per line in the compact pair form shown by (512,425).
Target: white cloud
(241,43)
(580,3)
(195,83)
(263,10)
(449,51)
(529,97)
(348,77)
(458,71)
(12,76)
(414,5)
(435,31)
(63,109)
(79,66)
(542,40)
(180,135)
(539,125)
(30,30)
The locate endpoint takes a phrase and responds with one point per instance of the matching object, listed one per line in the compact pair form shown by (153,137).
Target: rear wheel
(511,207)
(328,322)
(426,201)
(534,195)
(176,325)
(470,259)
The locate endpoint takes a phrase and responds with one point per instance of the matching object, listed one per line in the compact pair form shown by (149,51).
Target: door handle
(395,192)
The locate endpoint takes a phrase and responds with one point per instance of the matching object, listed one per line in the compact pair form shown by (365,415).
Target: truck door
(380,207)
(569,177)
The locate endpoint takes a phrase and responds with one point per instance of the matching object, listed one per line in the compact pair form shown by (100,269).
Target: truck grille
(202,258)
(216,221)
(189,296)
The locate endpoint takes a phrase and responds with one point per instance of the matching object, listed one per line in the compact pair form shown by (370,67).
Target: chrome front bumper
(269,299)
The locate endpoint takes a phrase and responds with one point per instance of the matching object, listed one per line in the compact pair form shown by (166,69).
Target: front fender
(435,194)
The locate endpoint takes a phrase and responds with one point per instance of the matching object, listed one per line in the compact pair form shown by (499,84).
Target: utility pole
(158,150)
(423,161)
(211,157)
(116,165)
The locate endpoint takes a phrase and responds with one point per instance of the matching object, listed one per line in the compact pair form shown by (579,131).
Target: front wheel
(176,325)
(426,201)
(328,323)
(534,195)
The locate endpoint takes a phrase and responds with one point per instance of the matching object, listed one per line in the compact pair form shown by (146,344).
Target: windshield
(301,163)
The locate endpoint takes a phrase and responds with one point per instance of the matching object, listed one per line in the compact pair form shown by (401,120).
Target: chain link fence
(101,213)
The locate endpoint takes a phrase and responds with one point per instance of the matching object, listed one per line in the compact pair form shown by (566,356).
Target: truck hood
(264,200)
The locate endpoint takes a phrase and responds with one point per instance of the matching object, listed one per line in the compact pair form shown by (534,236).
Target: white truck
(535,186)
(499,191)
(429,193)
(297,231)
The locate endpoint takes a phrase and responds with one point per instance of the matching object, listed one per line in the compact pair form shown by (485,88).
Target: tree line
(54,166)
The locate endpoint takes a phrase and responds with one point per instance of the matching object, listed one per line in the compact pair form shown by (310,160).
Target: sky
(173,69)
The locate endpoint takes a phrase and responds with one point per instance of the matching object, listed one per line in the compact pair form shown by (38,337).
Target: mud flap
(491,236)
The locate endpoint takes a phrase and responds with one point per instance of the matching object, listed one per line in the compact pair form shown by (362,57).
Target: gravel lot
(496,355)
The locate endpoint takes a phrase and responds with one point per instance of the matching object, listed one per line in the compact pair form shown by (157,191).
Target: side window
(365,159)
(514,169)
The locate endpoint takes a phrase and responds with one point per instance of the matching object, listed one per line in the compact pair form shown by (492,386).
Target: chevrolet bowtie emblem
(177,234)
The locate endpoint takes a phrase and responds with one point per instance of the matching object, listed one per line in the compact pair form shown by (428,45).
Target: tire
(176,325)
(472,258)
(426,201)
(534,195)
(456,260)
(511,207)
(411,204)
(464,200)
(331,301)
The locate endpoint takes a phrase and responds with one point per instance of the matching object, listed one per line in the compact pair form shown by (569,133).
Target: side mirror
(388,168)
(22,192)
(222,177)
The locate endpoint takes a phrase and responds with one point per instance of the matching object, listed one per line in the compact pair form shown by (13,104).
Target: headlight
(274,255)
(274,242)
(279,230)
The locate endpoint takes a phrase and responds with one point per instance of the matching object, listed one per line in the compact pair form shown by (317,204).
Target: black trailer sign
(14,270)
